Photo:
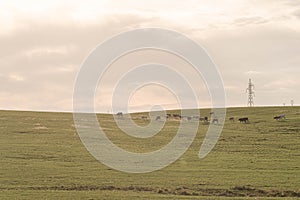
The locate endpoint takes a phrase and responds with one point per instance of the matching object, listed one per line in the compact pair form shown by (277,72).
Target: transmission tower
(250,91)
(292,102)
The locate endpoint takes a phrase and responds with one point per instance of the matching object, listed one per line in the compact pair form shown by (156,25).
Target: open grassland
(42,157)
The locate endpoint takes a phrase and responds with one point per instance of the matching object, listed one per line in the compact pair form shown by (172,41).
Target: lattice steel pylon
(250,91)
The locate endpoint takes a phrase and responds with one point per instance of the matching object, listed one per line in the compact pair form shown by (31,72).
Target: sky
(44,43)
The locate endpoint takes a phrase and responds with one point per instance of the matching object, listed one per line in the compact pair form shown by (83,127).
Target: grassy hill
(42,157)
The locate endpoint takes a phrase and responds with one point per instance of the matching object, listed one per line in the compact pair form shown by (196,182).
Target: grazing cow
(215,121)
(277,118)
(280,117)
(189,118)
(120,114)
(177,116)
(212,113)
(158,118)
(244,119)
(231,119)
(144,117)
(168,115)
(203,119)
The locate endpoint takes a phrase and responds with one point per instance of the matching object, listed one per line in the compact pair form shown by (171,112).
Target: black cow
(231,119)
(176,115)
(244,119)
(120,114)
(203,119)
(280,117)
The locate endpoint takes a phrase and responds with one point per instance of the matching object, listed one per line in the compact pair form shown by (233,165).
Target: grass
(42,157)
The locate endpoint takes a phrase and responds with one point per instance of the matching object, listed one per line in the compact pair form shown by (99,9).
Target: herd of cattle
(213,120)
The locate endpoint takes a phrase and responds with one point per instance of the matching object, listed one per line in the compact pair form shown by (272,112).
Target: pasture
(42,157)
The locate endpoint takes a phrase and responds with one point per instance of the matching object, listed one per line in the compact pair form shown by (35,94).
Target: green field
(42,157)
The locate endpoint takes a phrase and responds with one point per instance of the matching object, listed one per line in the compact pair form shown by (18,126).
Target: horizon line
(143,111)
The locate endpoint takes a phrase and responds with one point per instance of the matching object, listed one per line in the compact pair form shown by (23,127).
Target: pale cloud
(297,13)
(243,21)
(253,72)
(281,83)
(15,77)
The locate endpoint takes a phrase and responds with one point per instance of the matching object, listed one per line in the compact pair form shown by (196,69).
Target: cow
(231,119)
(158,118)
(279,117)
(203,119)
(144,117)
(120,114)
(244,119)
(177,116)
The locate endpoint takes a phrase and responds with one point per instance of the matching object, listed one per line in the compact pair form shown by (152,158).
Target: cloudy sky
(43,44)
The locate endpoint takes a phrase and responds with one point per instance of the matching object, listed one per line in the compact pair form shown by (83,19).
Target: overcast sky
(43,44)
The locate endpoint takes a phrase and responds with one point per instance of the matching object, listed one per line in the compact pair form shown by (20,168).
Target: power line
(250,91)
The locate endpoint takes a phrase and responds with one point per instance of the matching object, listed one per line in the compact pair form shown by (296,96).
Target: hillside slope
(41,156)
